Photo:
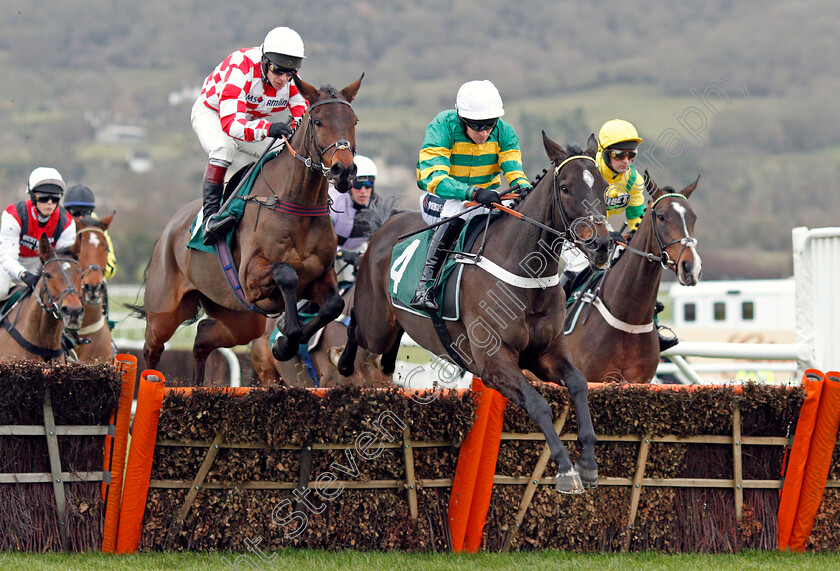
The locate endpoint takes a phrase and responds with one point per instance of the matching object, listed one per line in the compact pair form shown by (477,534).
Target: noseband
(53,304)
(340,144)
(687,241)
(569,234)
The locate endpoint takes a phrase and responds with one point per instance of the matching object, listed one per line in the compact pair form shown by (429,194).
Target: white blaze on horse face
(695,270)
(94,239)
(588,178)
(65,266)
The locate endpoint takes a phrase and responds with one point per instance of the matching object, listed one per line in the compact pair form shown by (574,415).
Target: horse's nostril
(336,170)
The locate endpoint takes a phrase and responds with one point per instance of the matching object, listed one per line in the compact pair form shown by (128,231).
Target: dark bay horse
(283,247)
(505,327)
(33,329)
(619,341)
(94,335)
(296,373)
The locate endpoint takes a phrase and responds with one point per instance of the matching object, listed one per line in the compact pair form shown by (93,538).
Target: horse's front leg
(502,373)
(555,366)
(285,347)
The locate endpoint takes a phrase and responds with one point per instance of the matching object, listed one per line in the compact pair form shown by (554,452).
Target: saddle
(407,261)
(240,185)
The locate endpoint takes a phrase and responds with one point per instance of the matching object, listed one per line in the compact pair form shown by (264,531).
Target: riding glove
(486,196)
(279,129)
(352,258)
(29,279)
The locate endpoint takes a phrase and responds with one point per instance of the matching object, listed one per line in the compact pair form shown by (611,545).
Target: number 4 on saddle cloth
(407,259)
(235,206)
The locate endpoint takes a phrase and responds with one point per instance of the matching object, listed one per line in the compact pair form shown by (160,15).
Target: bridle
(663,258)
(340,144)
(86,270)
(53,304)
(593,219)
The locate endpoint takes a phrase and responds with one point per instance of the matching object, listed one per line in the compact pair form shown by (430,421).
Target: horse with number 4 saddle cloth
(501,327)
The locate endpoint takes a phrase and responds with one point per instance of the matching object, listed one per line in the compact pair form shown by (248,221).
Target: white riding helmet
(364,166)
(479,100)
(46,180)
(283,47)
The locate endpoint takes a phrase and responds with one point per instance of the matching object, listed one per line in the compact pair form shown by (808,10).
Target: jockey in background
(24,222)
(80,202)
(352,231)
(618,143)
(237,108)
(464,152)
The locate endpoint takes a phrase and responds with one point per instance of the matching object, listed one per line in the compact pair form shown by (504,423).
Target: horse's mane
(331,91)
(88,220)
(375,215)
(66,253)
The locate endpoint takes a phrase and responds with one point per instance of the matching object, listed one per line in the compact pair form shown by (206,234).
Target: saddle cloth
(408,258)
(235,208)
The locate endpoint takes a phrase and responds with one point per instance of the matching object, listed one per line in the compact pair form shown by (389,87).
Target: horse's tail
(374,216)
(137,309)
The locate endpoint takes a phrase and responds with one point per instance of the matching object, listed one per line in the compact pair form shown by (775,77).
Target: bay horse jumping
(619,342)
(505,327)
(95,343)
(296,372)
(33,329)
(283,248)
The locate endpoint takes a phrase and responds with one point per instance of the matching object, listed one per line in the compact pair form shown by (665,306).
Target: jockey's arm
(636,206)
(434,165)
(10,245)
(510,157)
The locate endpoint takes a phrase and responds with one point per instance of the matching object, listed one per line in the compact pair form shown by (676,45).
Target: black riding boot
(444,236)
(214,228)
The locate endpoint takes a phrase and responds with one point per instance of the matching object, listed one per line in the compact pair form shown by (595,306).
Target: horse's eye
(660,217)
(318,123)
(47,275)
(564,189)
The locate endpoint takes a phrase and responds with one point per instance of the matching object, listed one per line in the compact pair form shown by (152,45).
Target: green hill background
(743,93)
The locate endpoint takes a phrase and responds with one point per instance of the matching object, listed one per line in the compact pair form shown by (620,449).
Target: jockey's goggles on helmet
(44,198)
(362,183)
(620,155)
(277,70)
(481,124)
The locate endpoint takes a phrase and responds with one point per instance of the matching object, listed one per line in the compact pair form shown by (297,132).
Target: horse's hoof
(282,350)
(570,483)
(334,354)
(588,477)
(346,369)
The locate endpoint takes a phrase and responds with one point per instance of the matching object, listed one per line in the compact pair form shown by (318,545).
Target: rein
(310,131)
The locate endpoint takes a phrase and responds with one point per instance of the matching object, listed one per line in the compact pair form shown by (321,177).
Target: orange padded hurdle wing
(115,460)
(819,461)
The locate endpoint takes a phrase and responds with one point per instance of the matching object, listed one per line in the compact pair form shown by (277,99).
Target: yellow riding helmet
(617,131)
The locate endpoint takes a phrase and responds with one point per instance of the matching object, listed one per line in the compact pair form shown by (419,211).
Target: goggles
(482,125)
(621,155)
(277,70)
(45,198)
(359,184)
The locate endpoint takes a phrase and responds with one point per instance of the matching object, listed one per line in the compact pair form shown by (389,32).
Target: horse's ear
(592,144)
(107,220)
(309,92)
(44,248)
(686,192)
(650,184)
(350,91)
(553,150)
